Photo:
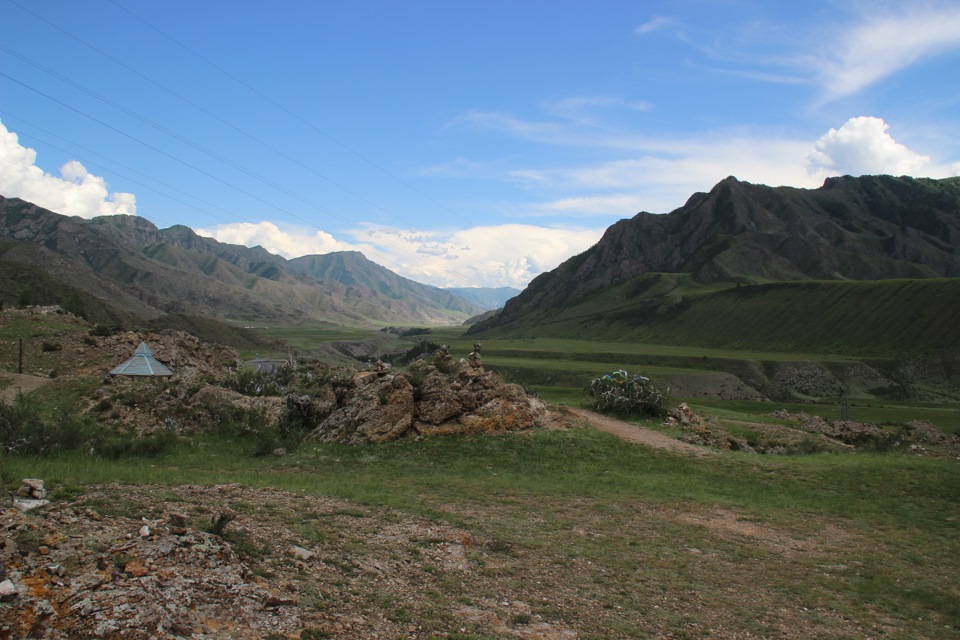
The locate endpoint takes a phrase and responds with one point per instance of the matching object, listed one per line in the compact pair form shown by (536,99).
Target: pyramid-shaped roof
(141,364)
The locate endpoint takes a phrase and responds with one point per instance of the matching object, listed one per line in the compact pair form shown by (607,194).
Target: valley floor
(553,534)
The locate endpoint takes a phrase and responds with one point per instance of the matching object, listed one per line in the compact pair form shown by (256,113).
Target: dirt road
(636,433)
(19,383)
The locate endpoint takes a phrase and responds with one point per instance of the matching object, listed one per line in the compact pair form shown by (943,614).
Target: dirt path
(636,433)
(20,383)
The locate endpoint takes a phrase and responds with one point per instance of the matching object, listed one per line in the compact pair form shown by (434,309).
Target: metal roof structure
(141,364)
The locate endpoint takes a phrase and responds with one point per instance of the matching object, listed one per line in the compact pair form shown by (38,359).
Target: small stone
(56,570)
(33,484)
(145,531)
(276,601)
(178,524)
(136,568)
(8,590)
(28,504)
(301,554)
(43,550)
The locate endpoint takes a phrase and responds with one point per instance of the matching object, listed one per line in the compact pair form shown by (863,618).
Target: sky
(459,143)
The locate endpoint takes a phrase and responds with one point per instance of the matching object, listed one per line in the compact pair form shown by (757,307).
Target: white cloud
(483,256)
(862,146)
(576,106)
(662,174)
(493,256)
(885,44)
(621,205)
(290,242)
(655,24)
(76,193)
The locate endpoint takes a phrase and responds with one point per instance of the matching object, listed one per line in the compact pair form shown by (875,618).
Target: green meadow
(833,542)
(605,538)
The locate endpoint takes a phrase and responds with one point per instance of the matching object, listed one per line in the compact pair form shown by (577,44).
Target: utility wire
(212,176)
(418,258)
(302,120)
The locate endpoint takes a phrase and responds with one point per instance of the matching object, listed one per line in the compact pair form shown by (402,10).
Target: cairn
(30,495)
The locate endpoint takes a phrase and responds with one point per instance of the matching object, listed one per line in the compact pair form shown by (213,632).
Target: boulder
(426,400)
(370,409)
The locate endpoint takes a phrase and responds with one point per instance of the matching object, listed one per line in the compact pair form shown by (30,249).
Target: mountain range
(868,264)
(698,275)
(125,267)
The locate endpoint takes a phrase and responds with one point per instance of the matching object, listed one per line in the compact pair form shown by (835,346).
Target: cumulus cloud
(289,242)
(77,192)
(862,146)
(492,256)
(483,256)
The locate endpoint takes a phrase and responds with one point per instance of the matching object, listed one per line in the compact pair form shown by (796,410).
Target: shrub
(128,445)
(250,382)
(24,431)
(102,331)
(300,415)
(627,394)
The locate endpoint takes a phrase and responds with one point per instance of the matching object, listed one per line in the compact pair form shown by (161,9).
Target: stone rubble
(289,567)
(439,397)
(71,575)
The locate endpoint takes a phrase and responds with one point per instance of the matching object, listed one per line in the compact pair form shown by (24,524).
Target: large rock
(371,408)
(426,400)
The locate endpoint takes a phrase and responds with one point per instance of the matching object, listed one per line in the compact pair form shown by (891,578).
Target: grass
(312,336)
(620,520)
(881,319)
(946,415)
(572,464)
(579,517)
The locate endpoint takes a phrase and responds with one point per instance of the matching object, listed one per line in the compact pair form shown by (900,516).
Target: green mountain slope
(359,277)
(147,272)
(673,277)
(486,298)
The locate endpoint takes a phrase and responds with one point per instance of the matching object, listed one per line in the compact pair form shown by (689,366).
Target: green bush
(626,394)
(300,415)
(24,431)
(102,331)
(128,445)
(249,382)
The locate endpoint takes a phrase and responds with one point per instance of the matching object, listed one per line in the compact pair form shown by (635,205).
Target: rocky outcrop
(430,399)
(70,572)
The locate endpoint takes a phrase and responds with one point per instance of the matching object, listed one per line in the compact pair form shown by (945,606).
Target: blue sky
(459,144)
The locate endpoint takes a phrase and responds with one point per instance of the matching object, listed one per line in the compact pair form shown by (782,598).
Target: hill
(484,297)
(360,278)
(674,277)
(141,271)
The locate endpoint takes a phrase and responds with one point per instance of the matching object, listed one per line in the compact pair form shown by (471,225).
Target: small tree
(627,394)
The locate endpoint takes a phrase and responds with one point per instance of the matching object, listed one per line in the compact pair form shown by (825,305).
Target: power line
(212,176)
(300,119)
(418,258)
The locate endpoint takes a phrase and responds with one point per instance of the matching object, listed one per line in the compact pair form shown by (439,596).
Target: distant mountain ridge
(486,298)
(850,229)
(145,271)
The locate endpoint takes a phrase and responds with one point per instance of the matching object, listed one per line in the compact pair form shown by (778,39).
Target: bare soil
(301,566)
(12,384)
(636,433)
